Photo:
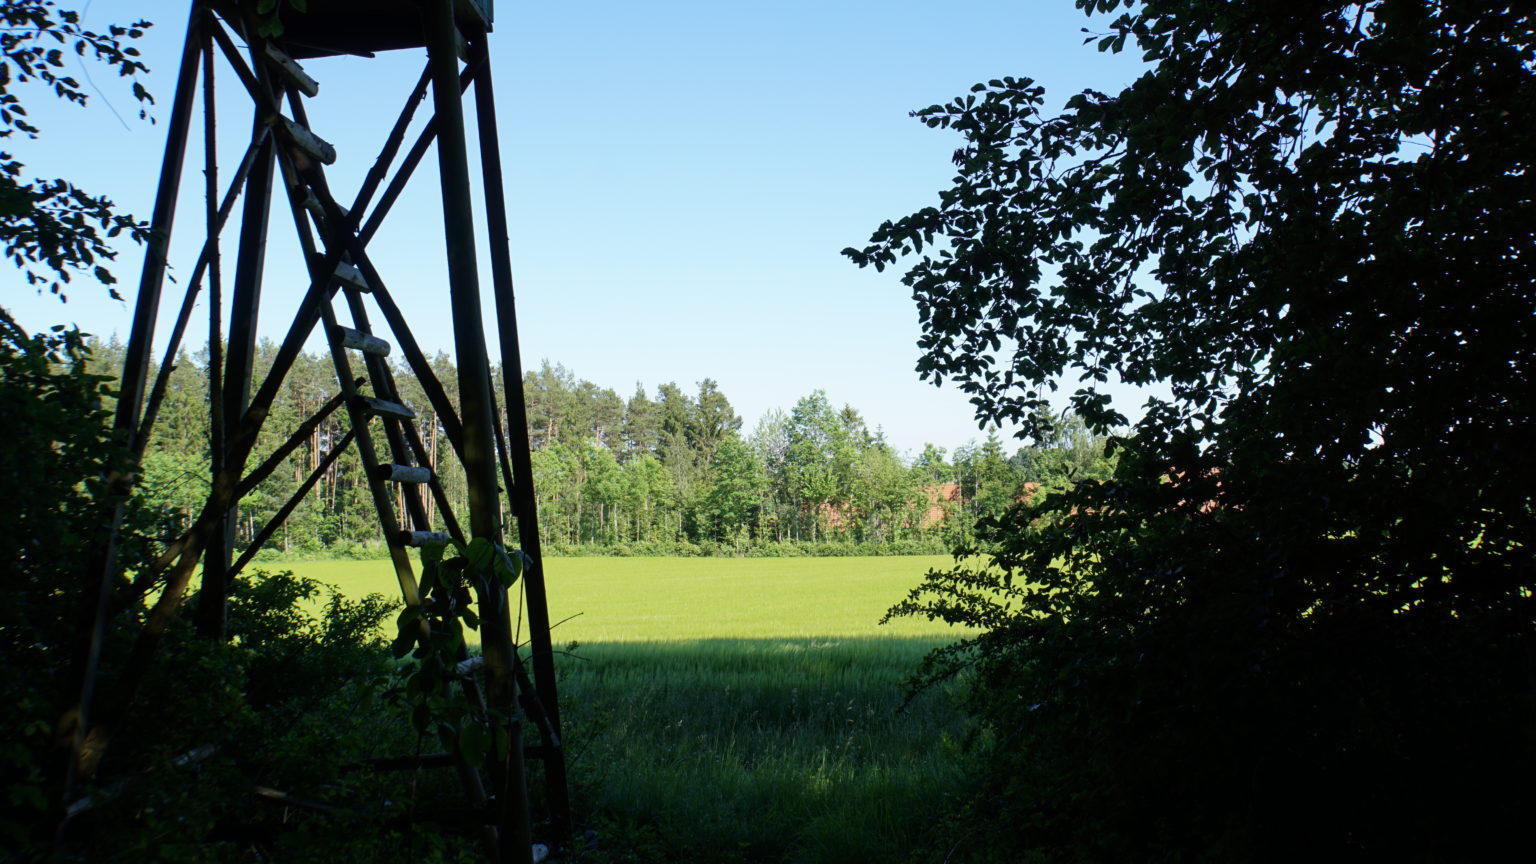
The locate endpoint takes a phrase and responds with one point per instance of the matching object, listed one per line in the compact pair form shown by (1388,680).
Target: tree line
(665,471)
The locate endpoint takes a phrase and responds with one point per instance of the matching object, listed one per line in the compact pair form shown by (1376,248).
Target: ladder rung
(312,204)
(292,72)
(347,274)
(308,141)
(403,474)
(385,408)
(364,342)
(422,538)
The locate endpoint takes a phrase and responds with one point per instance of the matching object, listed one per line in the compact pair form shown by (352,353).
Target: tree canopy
(1304,602)
(669,475)
(50,228)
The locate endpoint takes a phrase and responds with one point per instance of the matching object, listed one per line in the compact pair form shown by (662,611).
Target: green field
(742,710)
(646,599)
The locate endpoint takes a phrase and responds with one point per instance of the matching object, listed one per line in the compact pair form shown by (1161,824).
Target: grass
(661,599)
(746,750)
(742,710)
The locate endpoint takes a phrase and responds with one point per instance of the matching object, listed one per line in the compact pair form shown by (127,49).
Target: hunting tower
(260,49)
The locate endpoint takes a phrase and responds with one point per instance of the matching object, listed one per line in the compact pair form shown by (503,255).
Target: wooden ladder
(339,262)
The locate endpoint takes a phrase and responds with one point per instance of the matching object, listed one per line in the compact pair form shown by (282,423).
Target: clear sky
(680,177)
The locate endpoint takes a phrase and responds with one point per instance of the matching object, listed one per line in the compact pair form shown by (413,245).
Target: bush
(1299,620)
(54,512)
(292,701)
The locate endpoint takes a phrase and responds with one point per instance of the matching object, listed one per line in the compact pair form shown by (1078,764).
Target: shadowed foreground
(757,749)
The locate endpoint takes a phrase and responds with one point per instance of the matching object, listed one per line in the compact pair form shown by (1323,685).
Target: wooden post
(75,724)
(520,489)
(507,775)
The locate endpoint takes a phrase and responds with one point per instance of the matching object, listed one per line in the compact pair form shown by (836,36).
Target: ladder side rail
(439,496)
(404,571)
(330,215)
(378,369)
(447,417)
(400,451)
(384,384)
(469,776)
(415,358)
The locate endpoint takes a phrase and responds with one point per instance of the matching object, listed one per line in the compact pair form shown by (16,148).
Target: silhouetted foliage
(289,701)
(1297,622)
(50,228)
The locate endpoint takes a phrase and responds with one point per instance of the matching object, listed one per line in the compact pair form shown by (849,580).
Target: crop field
(668,599)
(742,710)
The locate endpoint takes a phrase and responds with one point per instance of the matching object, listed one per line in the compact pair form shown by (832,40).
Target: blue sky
(680,179)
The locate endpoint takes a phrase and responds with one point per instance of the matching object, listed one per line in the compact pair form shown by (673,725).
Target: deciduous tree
(1298,622)
(50,228)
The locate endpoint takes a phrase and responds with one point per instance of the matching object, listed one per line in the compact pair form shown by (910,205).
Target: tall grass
(746,750)
(742,710)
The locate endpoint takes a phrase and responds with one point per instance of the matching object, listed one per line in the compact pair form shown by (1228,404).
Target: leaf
(474,742)
(508,567)
(480,554)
